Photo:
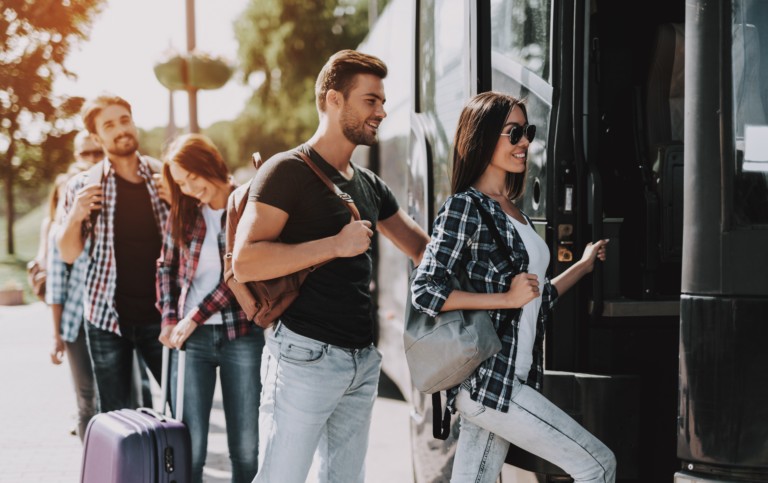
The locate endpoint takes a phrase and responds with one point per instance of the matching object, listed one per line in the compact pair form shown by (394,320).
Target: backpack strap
(348,202)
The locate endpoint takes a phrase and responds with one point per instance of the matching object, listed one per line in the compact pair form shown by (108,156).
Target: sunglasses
(96,153)
(516,134)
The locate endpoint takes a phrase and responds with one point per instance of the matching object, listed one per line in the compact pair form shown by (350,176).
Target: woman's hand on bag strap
(353,239)
(524,288)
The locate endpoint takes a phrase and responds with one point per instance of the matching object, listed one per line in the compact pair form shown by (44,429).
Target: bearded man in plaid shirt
(126,238)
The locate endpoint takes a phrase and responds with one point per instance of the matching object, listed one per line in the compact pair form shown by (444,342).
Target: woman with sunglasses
(501,403)
(199,308)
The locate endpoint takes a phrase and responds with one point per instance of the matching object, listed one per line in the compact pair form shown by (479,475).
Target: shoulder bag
(443,351)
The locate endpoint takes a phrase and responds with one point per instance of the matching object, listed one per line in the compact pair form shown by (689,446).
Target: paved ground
(37,413)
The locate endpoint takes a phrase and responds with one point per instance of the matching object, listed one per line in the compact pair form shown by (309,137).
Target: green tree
(35,38)
(288,42)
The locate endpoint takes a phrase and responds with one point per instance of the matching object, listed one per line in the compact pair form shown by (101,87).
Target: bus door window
(749,55)
(520,58)
(441,84)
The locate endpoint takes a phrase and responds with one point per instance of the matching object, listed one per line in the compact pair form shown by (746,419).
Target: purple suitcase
(140,446)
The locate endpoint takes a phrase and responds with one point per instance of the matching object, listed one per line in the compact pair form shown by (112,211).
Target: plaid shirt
(175,271)
(459,238)
(66,287)
(101,278)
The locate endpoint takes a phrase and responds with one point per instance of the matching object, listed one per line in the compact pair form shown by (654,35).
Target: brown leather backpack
(264,302)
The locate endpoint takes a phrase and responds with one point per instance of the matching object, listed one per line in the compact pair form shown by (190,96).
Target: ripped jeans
(534,424)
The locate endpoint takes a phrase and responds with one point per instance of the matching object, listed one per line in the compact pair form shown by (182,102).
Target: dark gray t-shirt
(334,304)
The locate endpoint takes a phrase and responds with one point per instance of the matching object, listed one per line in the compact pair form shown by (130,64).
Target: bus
(652,132)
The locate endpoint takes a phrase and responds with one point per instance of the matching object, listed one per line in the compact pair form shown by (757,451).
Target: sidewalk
(37,413)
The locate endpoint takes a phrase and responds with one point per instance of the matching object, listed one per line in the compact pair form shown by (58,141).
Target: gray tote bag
(443,351)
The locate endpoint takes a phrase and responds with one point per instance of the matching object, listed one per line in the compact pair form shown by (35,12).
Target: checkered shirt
(460,238)
(175,271)
(66,287)
(101,277)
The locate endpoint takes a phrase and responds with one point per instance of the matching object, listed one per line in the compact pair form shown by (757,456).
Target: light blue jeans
(534,424)
(316,398)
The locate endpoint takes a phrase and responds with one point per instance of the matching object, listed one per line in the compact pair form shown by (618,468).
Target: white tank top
(538,261)
(208,272)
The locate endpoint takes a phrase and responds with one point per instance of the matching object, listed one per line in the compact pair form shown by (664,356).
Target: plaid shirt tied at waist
(101,276)
(460,239)
(175,271)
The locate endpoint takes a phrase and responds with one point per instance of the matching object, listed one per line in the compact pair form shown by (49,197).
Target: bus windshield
(750,107)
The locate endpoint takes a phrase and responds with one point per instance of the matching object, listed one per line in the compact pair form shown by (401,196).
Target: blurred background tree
(283,46)
(36,126)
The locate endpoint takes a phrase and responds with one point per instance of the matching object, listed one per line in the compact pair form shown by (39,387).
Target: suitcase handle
(166,377)
(153,413)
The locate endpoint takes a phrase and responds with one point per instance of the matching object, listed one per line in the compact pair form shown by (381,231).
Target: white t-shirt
(208,273)
(538,261)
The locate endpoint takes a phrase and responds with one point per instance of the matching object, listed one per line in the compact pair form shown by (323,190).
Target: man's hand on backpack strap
(354,239)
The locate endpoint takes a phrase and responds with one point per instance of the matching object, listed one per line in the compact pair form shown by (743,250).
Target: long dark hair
(477,134)
(198,155)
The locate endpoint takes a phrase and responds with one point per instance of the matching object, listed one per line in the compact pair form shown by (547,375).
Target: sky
(129,37)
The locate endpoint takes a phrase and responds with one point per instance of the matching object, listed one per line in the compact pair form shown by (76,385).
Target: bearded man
(126,231)
(320,369)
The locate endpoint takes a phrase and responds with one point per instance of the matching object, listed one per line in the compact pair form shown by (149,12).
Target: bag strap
(441,427)
(348,202)
(491,225)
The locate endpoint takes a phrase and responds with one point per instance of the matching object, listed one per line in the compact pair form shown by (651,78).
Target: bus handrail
(581,157)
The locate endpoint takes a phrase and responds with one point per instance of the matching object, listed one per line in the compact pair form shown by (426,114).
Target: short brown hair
(197,154)
(93,107)
(339,73)
(480,125)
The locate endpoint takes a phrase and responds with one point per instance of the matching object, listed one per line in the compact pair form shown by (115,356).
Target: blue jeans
(239,362)
(316,398)
(534,424)
(112,357)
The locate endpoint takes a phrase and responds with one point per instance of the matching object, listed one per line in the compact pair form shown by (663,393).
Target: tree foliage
(287,42)
(35,38)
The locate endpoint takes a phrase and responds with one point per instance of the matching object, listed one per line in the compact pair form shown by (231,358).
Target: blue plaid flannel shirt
(67,289)
(459,238)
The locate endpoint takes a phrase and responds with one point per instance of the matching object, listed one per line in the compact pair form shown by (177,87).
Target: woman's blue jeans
(239,363)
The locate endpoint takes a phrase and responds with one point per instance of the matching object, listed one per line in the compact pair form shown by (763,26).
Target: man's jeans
(315,397)
(239,362)
(534,424)
(112,357)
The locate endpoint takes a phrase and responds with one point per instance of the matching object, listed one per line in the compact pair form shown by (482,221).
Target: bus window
(441,83)
(750,107)
(521,32)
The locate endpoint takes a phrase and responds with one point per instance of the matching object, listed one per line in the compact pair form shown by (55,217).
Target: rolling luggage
(140,446)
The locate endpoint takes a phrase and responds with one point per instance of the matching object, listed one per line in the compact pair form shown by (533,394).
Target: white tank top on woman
(208,272)
(538,261)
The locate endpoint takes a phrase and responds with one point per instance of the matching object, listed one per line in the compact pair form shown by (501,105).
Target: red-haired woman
(198,308)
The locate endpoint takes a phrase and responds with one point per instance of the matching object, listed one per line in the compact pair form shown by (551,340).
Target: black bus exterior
(652,131)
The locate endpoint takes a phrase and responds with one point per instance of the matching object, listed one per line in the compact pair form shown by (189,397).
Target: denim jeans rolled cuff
(534,424)
(317,400)
(112,357)
(238,361)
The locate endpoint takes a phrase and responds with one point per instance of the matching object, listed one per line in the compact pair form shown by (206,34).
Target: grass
(27,238)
